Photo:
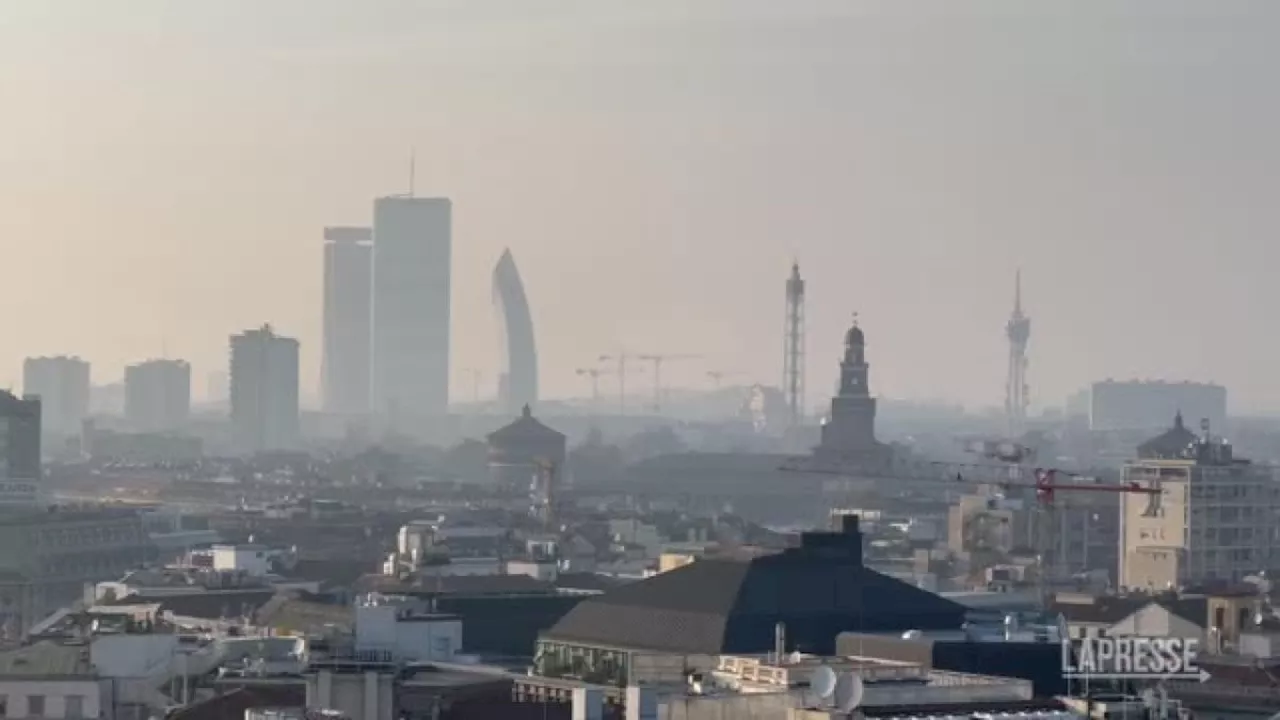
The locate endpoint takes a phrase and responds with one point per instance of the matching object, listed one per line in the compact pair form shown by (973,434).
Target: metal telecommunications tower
(1016,391)
(793,350)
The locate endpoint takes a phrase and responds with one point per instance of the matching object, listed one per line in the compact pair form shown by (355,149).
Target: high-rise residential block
(62,384)
(264,390)
(157,395)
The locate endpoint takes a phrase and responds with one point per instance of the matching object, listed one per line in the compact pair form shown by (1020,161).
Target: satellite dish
(795,658)
(849,691)
(823,681)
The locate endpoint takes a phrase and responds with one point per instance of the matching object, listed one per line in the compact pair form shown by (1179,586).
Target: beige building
(1215,518)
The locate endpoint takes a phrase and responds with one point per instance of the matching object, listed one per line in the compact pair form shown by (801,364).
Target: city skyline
(916,184)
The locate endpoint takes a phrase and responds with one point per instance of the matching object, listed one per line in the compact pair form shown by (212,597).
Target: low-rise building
(47,558)
(49,680)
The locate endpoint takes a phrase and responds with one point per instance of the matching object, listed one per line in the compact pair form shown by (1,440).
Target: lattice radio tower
(793,347)
(1017,392)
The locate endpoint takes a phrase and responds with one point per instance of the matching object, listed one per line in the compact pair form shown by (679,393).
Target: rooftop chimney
(844,543)
(849,525)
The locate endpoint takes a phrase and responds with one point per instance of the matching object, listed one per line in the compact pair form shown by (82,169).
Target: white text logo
(1131,658)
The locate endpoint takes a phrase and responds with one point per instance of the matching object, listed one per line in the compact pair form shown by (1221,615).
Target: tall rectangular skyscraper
(264,390)
(348,316)
(412,255)
(62,384)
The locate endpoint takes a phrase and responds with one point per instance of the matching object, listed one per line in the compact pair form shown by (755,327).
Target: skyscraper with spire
(412,251)
(1016,392)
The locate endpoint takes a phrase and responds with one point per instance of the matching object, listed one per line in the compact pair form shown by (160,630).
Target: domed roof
(526,427)
(1173,443)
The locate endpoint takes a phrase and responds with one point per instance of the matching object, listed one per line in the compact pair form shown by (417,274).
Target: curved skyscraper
(518,384)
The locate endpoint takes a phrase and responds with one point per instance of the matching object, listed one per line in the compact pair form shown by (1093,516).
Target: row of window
(36,706)
(77,537)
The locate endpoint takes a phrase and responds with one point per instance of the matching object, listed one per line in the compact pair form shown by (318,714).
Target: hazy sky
(166,169)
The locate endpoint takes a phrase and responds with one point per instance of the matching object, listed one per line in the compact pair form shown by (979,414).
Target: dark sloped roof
(341,571)
(589,581)
(1192,609)
(212,605)
(729,606)
(1111,610)
(526,426)
(458,585)
(1169,444)
(232,705)
(286,611)
(1102,611)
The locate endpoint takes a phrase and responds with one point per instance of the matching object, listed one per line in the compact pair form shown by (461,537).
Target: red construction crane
(1044,481)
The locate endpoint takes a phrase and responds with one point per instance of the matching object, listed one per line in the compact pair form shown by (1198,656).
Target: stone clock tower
(851,428)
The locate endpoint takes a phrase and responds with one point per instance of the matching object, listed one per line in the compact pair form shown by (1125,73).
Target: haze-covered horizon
(168,168)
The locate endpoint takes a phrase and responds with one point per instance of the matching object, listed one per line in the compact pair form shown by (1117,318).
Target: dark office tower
(518,383)
(264,390)
(411,278)
(157,395)
(62,384)
(19,451)
(348,299)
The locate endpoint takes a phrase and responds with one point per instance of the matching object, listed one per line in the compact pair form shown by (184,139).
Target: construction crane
(657,361)
(1045,482)
(594,374)
(621,359)
(719,375)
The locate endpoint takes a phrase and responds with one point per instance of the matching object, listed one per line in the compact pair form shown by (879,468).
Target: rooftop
(525,427)
(1172,444)
(729,606)
(44,659)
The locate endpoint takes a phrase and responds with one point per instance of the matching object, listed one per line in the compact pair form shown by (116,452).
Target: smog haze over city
(639,359)
(655,167)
